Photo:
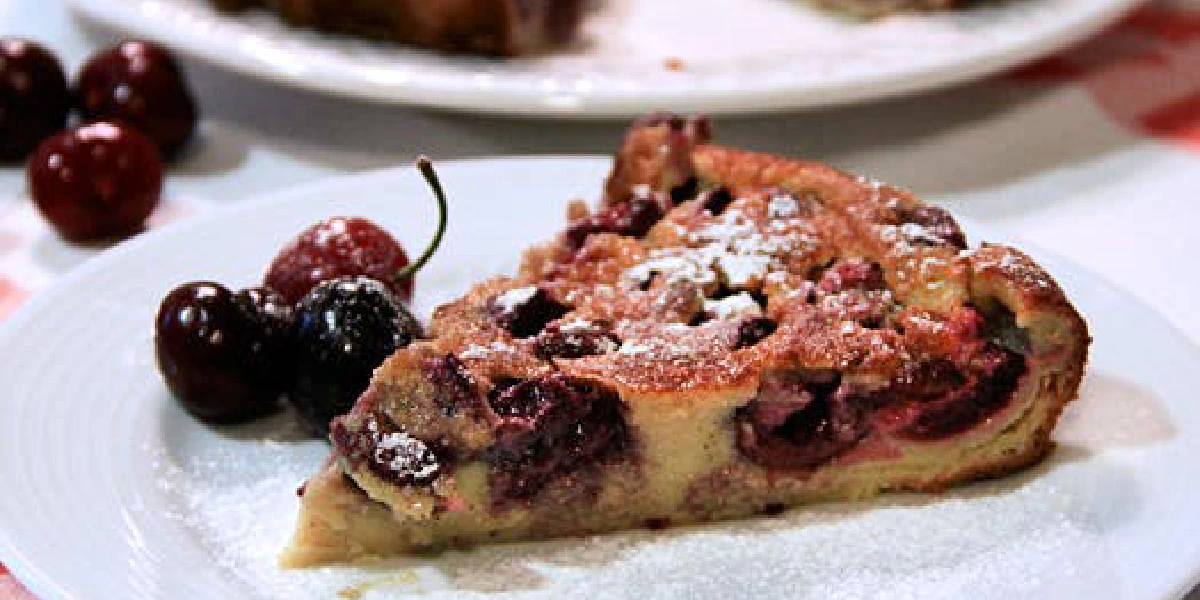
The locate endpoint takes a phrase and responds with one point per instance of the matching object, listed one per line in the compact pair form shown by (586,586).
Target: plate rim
(40,582)
(482,99)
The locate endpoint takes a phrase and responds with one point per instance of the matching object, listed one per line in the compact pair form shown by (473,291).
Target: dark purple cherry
(96,181)
(223,355)
(139,83)
(34,99)
(344,328)
(551,427)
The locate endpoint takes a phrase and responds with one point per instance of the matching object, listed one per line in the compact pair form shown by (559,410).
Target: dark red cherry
(525,311)
(936,226)
(223,355)
(717,200)
(96,181)
(801,420)
(34,99)
(352,247)
(271,314)
(551,427)
(139,83)
(632,218)
(753,330)
(338,247)
(454,389)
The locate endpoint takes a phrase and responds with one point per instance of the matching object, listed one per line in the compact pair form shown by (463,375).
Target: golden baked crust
(730,333)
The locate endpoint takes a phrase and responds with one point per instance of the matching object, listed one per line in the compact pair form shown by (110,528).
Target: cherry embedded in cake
(729,334)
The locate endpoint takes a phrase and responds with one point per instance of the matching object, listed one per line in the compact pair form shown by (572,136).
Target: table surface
(1093,154)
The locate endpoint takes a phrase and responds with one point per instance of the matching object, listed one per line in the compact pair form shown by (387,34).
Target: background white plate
(111,491)
(741,56)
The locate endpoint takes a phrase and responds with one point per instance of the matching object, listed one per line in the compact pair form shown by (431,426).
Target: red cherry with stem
(351,247)
(96,181)
(139,83)
(334,248)
(34,99)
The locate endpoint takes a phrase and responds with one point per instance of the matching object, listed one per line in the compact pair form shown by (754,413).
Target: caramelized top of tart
(682,283)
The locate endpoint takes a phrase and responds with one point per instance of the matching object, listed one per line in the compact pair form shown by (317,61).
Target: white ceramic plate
(111,491)
(741,56)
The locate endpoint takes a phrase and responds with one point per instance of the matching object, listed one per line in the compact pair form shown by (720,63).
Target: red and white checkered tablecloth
(1143,74)
(11,589)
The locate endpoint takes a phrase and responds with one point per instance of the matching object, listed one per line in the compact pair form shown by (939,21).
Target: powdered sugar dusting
(742,269)
(477,351)
(906,235)
(661,349)
(632,349)
(733,306)
(510,300)
(403,454)
(782,205)
(695,269)
(576,325)
(1024,271)
(729,250)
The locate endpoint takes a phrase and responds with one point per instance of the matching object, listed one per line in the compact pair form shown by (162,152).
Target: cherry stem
(431,178)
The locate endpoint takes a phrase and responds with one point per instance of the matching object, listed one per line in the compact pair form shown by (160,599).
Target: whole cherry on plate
(224,355)
(139,83)
(350,246)
(96,181)
(344,328)
(34,99)
(338,247)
